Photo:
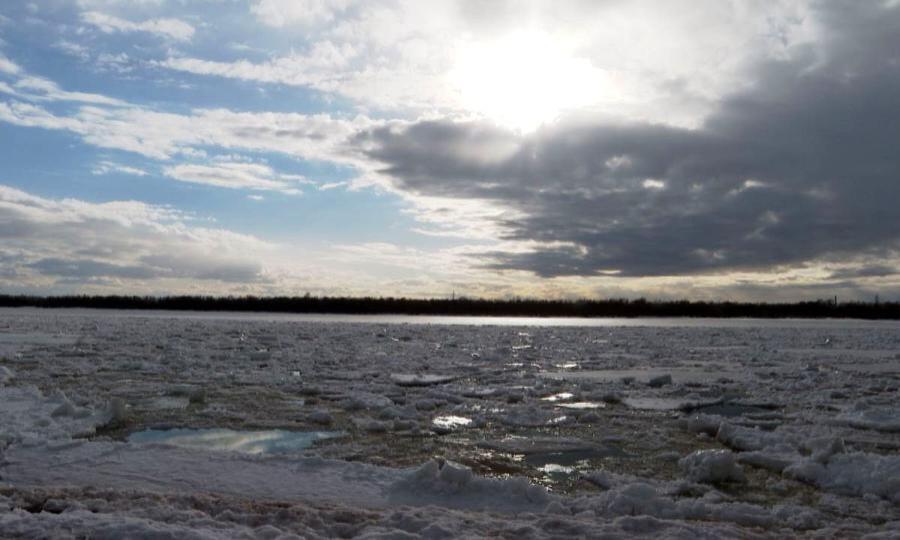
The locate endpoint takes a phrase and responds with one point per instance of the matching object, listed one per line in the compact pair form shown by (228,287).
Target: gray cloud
(874,270)
(152,267)
(76,242)
(87,268)
(800,165)
(204,267)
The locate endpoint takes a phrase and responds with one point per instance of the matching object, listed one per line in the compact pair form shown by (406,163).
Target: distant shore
(623,308)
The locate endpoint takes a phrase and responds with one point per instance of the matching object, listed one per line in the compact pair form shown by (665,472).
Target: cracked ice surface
(695,428)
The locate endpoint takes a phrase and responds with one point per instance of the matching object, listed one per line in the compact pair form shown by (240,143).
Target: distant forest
(466,306)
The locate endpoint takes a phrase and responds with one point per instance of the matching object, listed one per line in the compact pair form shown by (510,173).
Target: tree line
(468,306)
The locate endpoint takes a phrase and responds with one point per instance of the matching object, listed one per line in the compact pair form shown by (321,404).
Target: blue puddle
(273,441)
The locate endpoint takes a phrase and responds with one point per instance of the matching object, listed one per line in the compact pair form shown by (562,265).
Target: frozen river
(652,322)
(131,422)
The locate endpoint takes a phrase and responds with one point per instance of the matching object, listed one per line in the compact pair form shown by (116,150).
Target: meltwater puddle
(273,441)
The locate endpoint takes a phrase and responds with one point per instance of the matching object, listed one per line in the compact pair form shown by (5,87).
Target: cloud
(173,29)
(161,135)
(279,13)
(331,185)
(798,166)
(323,67)
(254,176)
(109,167)
(132,243)
(74,50)
(34,88)
(641,59)
(8,66)
(87,268)
(865,271)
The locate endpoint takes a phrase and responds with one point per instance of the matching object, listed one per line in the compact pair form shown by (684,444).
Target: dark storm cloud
(804,164)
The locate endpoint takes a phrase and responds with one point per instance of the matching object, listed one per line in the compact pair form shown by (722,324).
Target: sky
(714,149)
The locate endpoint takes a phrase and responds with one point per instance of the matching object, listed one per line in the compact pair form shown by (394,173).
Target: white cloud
(41,89)
(174,29)
(331,185)
(34,88)
(74,49)
(109,167)
(254,176)
(8,66)
(638,60)
(160,135)
(322,67)
(279,13)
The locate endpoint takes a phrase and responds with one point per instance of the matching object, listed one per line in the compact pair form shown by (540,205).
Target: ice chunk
(822,448)
(448,423)
(744,439)
(712,467)
(321,417)
(562,396)
(878,419)
(581,405)
(116,412)
(478,393)
(852,474)
(772,459)
(638,498)
(412,379)
(532,417)
(194,393)
(450,484)
(6,375)
(366,400)
(373,426)
(537,445)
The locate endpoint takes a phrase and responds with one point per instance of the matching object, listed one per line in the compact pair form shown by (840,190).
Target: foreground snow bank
(93,513)
(821,461)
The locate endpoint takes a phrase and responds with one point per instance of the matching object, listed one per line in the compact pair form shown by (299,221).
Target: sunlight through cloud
(525,79)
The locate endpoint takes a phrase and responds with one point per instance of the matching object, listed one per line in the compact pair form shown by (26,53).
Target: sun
(524,79)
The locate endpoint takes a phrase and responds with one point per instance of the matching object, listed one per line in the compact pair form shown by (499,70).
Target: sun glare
(524,80)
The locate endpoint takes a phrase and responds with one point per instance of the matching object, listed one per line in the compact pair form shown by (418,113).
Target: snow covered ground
(296,428)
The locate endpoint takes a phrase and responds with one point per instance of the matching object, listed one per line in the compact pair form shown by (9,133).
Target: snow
(747,430)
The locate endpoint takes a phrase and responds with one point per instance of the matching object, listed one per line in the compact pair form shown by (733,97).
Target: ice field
(140,424)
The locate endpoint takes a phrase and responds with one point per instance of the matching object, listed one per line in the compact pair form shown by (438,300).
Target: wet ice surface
(725,428)
(273,441)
